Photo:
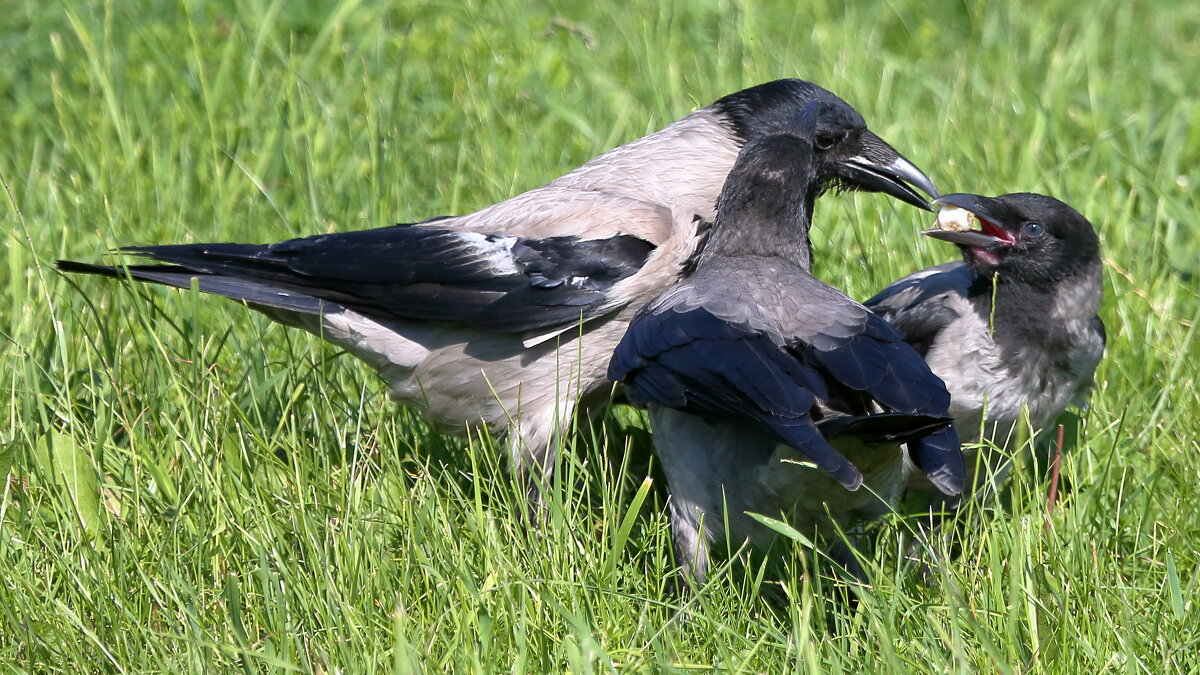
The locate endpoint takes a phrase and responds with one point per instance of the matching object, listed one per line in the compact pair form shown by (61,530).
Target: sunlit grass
(193,488)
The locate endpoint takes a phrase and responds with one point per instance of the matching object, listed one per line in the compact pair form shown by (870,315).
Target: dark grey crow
(770,392)
(509,315)
(1012,329)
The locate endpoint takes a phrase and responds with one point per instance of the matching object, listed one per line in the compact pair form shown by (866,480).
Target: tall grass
(192,488)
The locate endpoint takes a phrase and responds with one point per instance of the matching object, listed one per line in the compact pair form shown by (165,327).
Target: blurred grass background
(191,488)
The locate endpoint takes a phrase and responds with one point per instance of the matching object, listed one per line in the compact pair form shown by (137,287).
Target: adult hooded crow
(1012,328)
(508,316)
(769,391)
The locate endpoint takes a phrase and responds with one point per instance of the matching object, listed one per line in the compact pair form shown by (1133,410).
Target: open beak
(879,168)
(990,214)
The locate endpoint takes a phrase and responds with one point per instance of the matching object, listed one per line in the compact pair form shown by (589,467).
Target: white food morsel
(955,219)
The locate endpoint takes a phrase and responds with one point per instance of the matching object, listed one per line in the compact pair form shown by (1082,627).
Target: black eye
(1034,230)
(824,141)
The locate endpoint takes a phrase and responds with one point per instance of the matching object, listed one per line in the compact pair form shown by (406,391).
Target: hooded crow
(1012,329)
(770,392)
(508,316)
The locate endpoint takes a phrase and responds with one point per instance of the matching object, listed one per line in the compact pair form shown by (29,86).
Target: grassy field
(191,488)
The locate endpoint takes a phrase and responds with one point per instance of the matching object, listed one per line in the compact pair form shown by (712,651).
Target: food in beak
(955,219)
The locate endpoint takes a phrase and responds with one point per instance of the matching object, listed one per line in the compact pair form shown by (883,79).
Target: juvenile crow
(769,391)
(509,315)
(1013,327)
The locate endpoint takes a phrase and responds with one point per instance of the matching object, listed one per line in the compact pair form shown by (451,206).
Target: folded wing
(803,388)
(920,305)
(494,282)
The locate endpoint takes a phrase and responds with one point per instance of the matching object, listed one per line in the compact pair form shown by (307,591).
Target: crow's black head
(772,185)
(850,156)
(1023,237)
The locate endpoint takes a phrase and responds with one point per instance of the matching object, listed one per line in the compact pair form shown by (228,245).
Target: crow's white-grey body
(1027,344)
(507,316)
(769,391)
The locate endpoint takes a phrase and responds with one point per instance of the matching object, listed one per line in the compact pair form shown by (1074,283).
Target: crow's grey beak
(972,238)
(881,169)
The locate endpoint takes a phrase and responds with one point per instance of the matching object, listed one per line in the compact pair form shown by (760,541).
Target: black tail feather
(939,457)
(180,277)
(890,427)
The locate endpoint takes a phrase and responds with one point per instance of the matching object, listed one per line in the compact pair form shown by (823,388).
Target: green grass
(194,489)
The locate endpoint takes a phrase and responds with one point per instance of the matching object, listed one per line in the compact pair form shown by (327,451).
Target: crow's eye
(824,141)
(1034,230)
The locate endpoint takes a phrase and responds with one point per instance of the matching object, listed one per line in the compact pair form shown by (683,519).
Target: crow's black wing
(695,361)
(920,306)
(877,362)
(494,282)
